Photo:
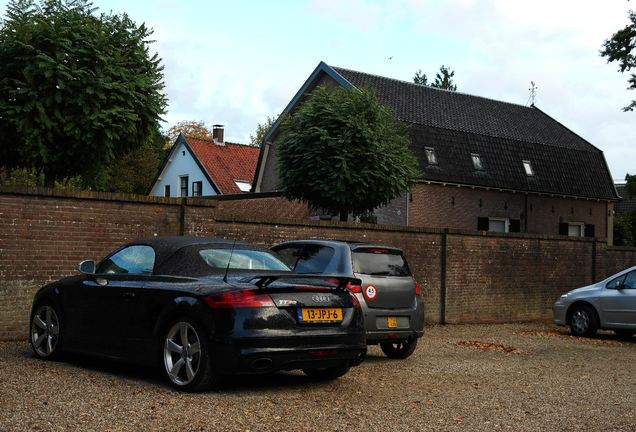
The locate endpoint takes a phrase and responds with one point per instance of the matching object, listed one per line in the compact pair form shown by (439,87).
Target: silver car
(389,296)
(609,304)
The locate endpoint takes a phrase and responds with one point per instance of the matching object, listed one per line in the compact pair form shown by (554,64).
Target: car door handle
(129,295)
(101,281)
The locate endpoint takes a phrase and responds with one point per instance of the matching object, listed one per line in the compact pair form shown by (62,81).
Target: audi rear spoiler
(262,281)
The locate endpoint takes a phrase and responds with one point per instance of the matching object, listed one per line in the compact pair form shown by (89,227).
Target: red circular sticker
(370,291)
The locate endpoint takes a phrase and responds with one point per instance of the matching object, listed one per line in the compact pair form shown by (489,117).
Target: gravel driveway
(522,377)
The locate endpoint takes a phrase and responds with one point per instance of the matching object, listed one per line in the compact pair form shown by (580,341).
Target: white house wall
(181,163)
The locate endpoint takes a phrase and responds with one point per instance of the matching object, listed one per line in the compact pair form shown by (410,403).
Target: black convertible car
(201,309)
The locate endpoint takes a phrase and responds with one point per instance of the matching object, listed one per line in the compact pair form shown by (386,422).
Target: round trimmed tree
(345,152)
(77,90)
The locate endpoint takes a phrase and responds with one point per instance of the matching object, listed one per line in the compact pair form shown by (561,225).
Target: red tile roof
(226,163)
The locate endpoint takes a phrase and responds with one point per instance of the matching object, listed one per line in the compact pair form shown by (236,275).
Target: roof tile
(226,163)
(504,134)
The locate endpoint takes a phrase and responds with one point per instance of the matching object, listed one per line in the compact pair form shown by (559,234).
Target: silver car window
(314,259)
(630,280)
(615,283)
(136,259)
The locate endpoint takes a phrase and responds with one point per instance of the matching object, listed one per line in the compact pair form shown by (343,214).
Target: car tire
(583,321)
(185,357)
(46,331)
(624,334)
(399,349)
(327,374)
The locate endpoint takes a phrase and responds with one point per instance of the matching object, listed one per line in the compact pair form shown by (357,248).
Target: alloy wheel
(182,353)
(45,331)
(580,321)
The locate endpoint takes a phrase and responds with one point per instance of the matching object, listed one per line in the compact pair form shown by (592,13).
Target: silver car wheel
(182,353)
(45,331)
(580,321)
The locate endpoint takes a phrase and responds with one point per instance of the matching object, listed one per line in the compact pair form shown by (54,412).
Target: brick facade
(489,277)
(438,206)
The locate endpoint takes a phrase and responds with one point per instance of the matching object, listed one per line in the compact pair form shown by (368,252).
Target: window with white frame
(498,224)
(184,185)
(197,188)
(576,229)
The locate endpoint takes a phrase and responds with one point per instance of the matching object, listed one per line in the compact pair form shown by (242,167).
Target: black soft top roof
(166,247)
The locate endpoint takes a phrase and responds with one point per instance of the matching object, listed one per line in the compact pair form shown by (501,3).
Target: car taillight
(418,289)
(354,288)
(239,299)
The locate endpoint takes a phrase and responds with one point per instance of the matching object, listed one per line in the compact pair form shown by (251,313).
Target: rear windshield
(241,259)
(380,262)
(203,260)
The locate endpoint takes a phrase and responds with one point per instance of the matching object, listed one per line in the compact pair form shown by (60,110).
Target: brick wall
(459,207)
(271,205)
(44,235)
(489,277)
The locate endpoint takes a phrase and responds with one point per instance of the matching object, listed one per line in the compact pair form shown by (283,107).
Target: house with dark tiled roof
(487,165)
(197,167)
(627,204)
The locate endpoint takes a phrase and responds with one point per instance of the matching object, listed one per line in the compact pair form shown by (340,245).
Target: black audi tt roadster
(201,309)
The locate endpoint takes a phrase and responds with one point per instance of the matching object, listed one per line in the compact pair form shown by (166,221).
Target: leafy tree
(345,152)
(261,130)
(135,171)
(77,90)
(443,79)
(420,78)
(191,128)
(625,224)
(620,48)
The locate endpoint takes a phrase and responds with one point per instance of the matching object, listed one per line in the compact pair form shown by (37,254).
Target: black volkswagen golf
(201,309)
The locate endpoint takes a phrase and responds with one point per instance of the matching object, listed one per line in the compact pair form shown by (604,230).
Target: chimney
(217,134)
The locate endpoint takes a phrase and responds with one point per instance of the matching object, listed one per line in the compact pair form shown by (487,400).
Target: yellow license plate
(391,322)
(320,314)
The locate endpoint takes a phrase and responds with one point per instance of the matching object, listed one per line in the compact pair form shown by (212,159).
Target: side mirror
(86,267)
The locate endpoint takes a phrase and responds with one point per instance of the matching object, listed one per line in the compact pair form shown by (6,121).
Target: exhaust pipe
(262,363)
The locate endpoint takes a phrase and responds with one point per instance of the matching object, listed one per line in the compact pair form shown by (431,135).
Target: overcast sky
(237,62)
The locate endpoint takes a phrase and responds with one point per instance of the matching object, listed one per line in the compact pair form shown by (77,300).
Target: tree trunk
(344,215)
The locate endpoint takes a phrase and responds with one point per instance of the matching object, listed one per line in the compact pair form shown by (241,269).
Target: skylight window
(476,161)
(243,185)
(528,167)
(430,155)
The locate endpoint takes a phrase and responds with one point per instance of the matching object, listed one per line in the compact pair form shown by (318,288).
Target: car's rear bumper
(373,337)
(263,355)
(410,322)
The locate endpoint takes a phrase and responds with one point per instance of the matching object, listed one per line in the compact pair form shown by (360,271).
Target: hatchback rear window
(380,262)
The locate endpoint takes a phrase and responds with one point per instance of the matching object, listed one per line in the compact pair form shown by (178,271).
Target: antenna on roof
(227,269)
(533,93)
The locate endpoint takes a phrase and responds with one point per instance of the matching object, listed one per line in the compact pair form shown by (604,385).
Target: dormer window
(244,186)
(430,155)
(476,161)
(528,167)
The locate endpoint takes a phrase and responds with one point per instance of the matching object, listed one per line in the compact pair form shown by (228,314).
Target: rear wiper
(382,273)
